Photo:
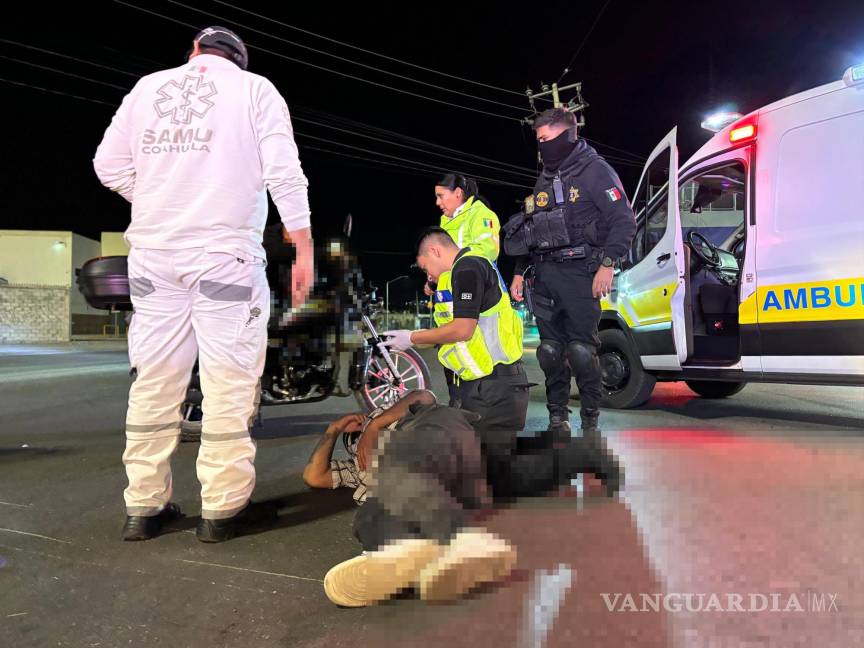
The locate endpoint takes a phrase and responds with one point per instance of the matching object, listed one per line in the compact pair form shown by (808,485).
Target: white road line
(36,535)
(9,616)
(543,603)
(11,375)
(16,505)
(137,571)
(253,571)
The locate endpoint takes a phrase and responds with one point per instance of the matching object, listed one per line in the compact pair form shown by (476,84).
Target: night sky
(645,66)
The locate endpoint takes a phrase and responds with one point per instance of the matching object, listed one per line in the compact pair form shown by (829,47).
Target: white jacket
(195,149)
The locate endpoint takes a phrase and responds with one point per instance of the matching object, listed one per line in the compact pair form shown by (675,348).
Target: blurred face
(434,262)
(550,132)
(449,201)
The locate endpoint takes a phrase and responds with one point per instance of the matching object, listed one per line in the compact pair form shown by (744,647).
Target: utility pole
(575,105)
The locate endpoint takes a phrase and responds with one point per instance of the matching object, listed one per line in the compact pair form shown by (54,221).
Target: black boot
(139,527)
(559,430)
(253,517)
(586,455)
(590,425)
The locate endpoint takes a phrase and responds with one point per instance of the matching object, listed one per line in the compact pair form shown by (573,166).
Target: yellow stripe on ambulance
(815,301)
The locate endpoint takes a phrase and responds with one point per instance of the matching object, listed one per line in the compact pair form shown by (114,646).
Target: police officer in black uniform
(578,227)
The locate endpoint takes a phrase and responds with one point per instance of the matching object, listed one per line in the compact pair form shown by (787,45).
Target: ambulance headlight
(854,75)
(719,120)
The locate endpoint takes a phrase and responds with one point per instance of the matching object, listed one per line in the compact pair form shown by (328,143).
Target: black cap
(225,40)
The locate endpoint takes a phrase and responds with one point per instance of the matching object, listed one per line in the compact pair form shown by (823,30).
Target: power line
(418,169)
(584,40)
(69,74)
(325,69)
(396,157)
(366,51)
(407,138)
(403,167)
(638,158)
(299,110)
(66,56)
(616,159)
(414,148)
(343,59)
(296,117)
(498,168)
(57,92)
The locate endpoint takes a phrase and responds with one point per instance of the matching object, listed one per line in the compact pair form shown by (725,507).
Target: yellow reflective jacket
(475,226)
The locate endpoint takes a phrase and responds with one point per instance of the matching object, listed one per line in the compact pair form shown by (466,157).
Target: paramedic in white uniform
(195,150)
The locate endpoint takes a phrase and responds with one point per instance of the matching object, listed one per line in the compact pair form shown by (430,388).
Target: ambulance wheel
(715,389)
(625,383)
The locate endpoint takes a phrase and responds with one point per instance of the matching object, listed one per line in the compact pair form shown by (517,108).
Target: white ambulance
(748,261)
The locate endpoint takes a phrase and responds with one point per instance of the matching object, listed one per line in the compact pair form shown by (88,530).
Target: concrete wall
(33,314)
(47,259)
(29,258)
(113,244)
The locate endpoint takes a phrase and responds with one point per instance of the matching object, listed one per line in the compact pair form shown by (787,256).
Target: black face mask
(556,150)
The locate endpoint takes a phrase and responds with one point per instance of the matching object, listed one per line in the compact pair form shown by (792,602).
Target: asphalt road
(761,494)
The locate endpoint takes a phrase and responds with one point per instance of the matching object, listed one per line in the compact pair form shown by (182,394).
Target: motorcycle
(305,344)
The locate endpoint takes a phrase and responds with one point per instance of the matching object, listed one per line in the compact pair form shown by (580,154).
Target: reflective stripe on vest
(496,340)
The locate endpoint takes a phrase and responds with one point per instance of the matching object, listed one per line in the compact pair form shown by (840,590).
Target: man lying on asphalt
(414,522)
(425,482)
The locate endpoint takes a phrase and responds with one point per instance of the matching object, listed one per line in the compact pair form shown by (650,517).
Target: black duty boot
(559,430)
(590,425)
(587,455)
(253,517)
(139,527)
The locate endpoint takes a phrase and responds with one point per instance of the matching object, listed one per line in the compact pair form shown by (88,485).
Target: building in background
(39,300)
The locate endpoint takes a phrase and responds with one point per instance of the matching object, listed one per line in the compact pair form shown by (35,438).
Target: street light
(387,300)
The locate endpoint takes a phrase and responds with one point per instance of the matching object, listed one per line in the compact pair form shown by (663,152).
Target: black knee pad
(550,355)
(583,358)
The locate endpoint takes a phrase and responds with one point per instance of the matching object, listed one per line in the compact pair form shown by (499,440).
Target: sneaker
(474,557)
(377,575)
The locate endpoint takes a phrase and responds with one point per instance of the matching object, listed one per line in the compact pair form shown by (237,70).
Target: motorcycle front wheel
(379,388)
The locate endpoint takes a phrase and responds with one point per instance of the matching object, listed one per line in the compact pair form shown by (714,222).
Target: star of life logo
(184,100)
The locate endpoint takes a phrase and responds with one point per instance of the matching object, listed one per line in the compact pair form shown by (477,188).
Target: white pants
(213,306)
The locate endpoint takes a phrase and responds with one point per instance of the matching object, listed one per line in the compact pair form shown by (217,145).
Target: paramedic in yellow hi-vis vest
(467,218)
(480,339)
(466,215)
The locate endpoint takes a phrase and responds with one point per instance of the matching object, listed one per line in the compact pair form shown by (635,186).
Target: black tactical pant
(429,476)
(567,317)
(501,401)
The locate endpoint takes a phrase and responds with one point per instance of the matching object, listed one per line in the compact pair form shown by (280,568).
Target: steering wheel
(703,248)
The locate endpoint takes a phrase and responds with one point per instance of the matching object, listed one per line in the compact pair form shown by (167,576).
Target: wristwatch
(608,262)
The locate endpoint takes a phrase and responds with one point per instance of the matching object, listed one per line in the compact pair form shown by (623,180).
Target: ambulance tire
(625,383)
(714,388)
